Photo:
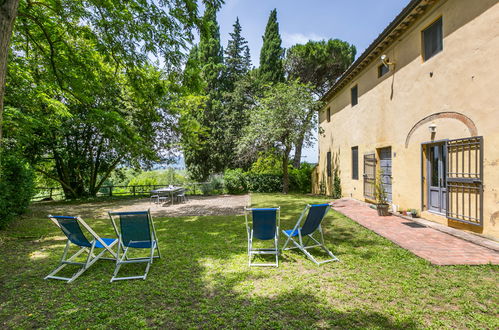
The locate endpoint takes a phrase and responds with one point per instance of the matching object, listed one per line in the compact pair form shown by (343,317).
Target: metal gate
(465,180)
(369,175)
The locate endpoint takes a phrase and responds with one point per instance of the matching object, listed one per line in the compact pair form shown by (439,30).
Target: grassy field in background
(203,281)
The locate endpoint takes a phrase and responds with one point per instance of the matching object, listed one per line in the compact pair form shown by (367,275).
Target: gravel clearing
(195,206)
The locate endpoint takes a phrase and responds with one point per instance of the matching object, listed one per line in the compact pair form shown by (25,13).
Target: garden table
(170,191)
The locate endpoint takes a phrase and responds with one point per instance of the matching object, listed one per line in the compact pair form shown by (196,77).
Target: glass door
(437,189)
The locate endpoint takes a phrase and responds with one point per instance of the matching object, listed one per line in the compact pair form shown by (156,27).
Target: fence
(193,188)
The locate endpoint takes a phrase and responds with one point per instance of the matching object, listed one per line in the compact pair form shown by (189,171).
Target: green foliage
(83,97)
(336,183)
(16,187)
(235,181)
(300,179)
(267,163)
(271,68)
(164,177)
(281,116)
(319,63)
(379,190)
(263,182)
(237,58)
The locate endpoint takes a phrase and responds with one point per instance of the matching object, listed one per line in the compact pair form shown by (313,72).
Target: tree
(320,64)
(237,58)
(128,32)
(276,122)
(271,68)
(8,12)
(82,96)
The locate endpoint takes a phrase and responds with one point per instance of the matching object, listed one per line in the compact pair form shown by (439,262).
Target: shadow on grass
(202,280)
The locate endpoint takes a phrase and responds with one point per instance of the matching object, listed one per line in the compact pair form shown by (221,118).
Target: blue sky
(358,22)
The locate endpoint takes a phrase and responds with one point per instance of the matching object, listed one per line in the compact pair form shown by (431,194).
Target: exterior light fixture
(432,128)
(386,61)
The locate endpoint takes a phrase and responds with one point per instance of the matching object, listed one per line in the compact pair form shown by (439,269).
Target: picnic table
(167,191)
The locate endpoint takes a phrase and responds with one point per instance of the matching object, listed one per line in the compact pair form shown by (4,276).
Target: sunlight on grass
(203,280)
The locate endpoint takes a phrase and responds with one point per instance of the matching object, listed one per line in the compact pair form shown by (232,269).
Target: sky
(358,22)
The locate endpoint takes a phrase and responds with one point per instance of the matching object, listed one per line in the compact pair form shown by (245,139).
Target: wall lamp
(385,60)
(432,128)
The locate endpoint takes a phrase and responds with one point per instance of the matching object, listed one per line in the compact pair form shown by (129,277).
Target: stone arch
(439,115)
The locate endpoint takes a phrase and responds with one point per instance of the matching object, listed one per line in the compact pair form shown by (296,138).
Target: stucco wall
(462,79)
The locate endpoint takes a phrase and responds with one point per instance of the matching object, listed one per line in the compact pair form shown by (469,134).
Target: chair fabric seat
(139,245)
(108,242)
(291,233)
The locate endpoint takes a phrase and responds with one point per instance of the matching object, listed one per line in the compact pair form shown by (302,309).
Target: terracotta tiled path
(437,247)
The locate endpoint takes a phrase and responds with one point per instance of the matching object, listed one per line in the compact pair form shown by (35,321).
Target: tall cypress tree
(210,50)
(271,55)
(206,154)
(237,60)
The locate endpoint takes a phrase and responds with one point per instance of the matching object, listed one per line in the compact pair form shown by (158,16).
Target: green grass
(203,281)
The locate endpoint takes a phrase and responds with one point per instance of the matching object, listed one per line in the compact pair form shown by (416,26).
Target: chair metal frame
(303,247)
(91,257)
(121,246)
(252,251)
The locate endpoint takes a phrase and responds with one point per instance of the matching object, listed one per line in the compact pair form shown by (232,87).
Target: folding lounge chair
(136,231)
(71,227)
(264,226)
(312,224)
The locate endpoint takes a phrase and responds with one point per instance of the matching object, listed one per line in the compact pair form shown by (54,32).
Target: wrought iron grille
(465,180)
(369,175)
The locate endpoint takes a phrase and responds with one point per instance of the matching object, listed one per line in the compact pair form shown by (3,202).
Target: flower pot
(382,210)
(409,214)
(414,215)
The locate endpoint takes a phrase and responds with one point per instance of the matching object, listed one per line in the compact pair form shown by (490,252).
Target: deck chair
(136,231)
(263,224)
(311,225)
(71,227)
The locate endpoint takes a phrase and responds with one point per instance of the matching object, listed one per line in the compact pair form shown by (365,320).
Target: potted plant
(380,195)
(414,213)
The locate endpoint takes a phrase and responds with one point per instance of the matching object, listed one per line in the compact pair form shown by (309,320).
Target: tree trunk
(285,179)
(298,149)
(8,13)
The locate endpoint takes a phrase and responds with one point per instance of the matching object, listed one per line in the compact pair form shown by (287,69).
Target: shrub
(300,179)
(16,187)
(235,182)
(263,182)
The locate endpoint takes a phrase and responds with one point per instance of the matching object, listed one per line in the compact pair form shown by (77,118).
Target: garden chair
(181,196)
(136,231)
(311,225)
(71,227)
(263,224)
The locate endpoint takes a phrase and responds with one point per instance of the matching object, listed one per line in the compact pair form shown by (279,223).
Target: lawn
(203,281)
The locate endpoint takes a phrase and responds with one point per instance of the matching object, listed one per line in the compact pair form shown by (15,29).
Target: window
(328,114)
(354,94)
(382,70)
(432,39)
(328,163)
(355,163)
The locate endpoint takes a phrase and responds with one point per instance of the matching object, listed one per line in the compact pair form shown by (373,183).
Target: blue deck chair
(71,227)
(311,225)
(263,224)
(136,231)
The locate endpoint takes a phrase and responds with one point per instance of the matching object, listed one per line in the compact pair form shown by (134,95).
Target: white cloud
(290,39)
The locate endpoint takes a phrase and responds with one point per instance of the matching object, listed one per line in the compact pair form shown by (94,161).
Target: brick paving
(435,246)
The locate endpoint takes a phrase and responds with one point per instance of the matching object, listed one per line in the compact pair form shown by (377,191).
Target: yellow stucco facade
(456,92)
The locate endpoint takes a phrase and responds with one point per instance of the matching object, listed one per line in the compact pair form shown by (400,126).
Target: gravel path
(195,206)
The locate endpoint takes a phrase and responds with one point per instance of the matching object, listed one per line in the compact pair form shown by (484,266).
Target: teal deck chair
(135,231)
(311,225)
(263,224)
(71,227)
